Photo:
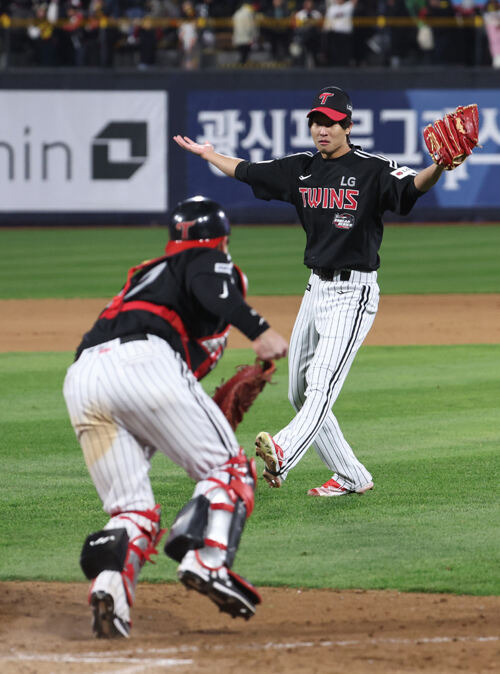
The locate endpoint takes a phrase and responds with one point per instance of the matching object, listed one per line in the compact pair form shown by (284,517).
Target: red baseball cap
(332,102)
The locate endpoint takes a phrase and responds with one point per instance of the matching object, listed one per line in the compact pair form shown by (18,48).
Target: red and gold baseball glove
(236,396)
(451,140)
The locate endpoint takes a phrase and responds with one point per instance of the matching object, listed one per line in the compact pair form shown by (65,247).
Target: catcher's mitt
(236,395)
(451,140)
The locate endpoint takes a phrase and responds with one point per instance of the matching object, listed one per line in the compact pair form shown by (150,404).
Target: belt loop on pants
(139,336)
(329,274)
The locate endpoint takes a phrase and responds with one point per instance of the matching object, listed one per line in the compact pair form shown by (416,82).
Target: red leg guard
(143,527)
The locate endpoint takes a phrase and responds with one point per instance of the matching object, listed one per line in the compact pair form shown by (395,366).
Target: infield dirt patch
(58,324)
(46,630)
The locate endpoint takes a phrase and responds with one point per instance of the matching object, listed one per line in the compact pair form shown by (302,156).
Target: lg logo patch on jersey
(402,172)
(343,221)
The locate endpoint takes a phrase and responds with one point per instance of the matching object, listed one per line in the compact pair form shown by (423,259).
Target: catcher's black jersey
(340,201)
(189,299)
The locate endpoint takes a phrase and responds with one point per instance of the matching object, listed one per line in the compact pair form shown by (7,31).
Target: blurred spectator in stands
(276,29)
(466,38)
(19,41)
(217,9)
(133,9)
(424,38)
(112,8)
(41,34)
(245,31)
(491,16)
(415,6)
(109,33)
(68,18)
(144,38)
(147,35)
(75,28)
(305,45)
(19,9)
(444,36)
(172,7)
(206,10)
(425,41)
(168,35)
(95,16)
(338,32)
(364,33)
(188,37)
(404,47)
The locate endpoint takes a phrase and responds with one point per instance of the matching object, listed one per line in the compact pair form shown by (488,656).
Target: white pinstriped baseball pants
(333,321)
(127,401)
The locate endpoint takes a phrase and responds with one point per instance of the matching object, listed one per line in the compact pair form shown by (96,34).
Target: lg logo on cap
(135,135)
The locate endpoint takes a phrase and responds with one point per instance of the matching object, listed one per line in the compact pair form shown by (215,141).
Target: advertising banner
(262,125)
(83,151)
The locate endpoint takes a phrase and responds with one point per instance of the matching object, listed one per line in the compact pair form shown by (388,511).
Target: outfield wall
(94,147)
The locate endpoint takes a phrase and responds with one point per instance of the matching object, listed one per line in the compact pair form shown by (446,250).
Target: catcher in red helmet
(134,390)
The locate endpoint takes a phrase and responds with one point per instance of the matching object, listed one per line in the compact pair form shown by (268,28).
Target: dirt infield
(45,627)
(57,325)
(45,630)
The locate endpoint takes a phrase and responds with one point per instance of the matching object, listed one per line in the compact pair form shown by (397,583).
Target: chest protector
(200,353)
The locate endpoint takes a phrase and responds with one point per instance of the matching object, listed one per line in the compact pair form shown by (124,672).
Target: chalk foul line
(157,656)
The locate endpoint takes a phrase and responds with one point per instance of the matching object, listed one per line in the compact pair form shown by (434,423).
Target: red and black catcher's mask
(198,219)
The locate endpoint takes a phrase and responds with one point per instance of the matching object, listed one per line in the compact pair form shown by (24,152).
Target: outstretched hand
(226,165)
(196,148)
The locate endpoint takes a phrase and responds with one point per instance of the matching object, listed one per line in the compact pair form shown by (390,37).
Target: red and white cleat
(333,488)
(272,455)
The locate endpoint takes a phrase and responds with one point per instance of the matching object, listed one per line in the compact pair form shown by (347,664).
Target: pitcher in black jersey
(134,389)
(340,194)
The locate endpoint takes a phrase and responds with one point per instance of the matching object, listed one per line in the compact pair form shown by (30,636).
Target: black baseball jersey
(189,299)
(339,202)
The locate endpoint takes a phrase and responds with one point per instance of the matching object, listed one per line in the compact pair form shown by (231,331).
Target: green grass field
(425,421)
(92,262)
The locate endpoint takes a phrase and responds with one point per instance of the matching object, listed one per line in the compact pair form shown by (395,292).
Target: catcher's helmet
(198,218)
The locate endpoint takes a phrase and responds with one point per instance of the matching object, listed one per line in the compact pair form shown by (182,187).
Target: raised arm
(206,151)
(428,177)
(449,141)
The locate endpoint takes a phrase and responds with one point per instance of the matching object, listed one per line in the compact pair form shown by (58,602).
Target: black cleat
(105,624)
(230,592)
